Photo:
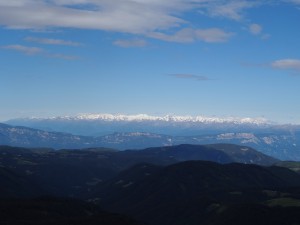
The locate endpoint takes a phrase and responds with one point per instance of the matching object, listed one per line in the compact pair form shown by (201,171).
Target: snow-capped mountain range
(166,118)
(104,124)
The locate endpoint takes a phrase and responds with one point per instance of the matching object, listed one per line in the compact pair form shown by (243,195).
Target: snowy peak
(166,118)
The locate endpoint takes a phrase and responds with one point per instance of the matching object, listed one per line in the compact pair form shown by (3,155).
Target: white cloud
(161,19)
(291,64)
(130,43)
(255,29)
(24,49)
(151,18)
(118,15)
(50,41)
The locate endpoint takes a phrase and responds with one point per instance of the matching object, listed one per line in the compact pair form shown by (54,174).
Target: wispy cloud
(24,49)
(62,56)
(130,43)
(37,51)
(287,64)
(49,41)
(294,1)
(190,76)
(190,35)
(257,30)
(228,9)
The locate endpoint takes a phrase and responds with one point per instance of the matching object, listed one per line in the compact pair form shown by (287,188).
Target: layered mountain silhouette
(72,172)
(281,143)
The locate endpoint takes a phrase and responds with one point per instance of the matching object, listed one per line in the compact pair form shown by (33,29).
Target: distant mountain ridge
(283,144)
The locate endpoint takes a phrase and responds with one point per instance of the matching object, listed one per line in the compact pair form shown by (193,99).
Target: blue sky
(181,57)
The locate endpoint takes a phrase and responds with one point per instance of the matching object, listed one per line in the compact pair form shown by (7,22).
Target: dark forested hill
(158,186)
(192,192)
(57,211)
(13,185)
(73,172)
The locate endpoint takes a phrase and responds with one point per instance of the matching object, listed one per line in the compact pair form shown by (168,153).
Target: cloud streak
(49,41)
(190,76)
(286,64)
(297,2)
(130,43)
(187,35)
(24,49)
(37,51)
